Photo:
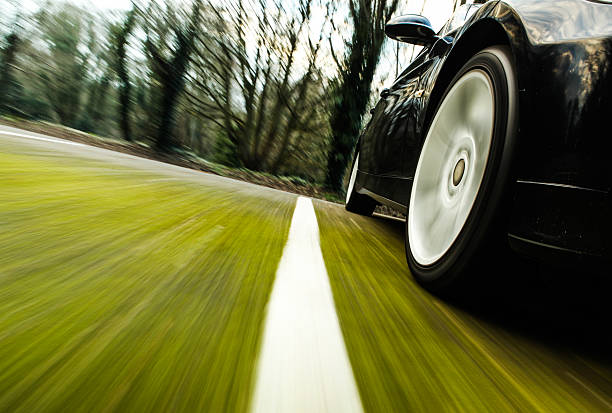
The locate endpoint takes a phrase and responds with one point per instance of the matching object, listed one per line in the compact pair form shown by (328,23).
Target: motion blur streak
(127,289)
(129,285)
(412,352)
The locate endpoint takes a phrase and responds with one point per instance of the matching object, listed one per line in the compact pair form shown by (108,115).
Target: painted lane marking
(39,138)
(303,365)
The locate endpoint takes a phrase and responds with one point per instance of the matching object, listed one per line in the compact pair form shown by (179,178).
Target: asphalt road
(128,285)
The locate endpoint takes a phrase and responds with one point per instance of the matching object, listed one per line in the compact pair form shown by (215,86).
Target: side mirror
(411,28)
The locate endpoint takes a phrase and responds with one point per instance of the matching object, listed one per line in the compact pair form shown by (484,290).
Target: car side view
(495,135)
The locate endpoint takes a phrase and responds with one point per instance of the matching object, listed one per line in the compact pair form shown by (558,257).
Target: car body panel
(563,57)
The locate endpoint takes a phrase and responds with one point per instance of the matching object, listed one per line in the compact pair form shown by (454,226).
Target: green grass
(121,289)
(128,289)
(411,352)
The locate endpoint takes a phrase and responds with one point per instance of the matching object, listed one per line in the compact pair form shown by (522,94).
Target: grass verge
(411,352)
(184,158)
(121,290)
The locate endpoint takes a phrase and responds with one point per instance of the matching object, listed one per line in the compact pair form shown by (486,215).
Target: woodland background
(268,85)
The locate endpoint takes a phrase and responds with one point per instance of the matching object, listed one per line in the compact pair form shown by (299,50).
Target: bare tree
(257,78)
(118,41)
(169,43)
(64,63)
(8,55)
(357,69)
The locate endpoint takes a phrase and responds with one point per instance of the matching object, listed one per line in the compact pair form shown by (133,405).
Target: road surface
(128,285)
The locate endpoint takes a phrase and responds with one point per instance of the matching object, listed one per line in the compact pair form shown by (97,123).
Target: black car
(497,134)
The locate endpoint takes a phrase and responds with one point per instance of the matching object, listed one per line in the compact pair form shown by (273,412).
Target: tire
(456,222)
(356,202)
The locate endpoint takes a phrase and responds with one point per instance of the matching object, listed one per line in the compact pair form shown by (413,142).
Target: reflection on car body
(547,64)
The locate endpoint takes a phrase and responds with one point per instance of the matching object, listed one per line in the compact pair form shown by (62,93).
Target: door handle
(385,93)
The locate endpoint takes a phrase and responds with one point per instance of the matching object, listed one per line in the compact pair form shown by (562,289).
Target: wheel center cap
(458,172)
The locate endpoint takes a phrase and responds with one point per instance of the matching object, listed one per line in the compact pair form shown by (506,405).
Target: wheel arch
(499,25)
(484,228)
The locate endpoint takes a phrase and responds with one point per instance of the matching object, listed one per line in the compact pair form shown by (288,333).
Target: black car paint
(563,57)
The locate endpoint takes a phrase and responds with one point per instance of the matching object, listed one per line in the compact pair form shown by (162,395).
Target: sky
(106,4)
(437,11)
(33,5)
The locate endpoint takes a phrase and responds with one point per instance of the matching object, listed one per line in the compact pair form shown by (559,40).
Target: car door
(397,133)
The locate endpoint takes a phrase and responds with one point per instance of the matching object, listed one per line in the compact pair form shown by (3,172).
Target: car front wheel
(457,202)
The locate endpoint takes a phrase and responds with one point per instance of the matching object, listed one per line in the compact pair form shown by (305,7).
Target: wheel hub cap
(458,173)
(451,167)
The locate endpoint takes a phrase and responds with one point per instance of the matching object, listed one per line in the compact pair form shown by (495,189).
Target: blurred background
(130,285)
(280,87)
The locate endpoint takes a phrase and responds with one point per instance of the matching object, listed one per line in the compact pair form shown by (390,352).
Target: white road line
(303,365)
(39,138)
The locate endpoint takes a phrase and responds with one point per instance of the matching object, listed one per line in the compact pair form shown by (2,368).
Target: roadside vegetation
(184,157)
(274,87)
